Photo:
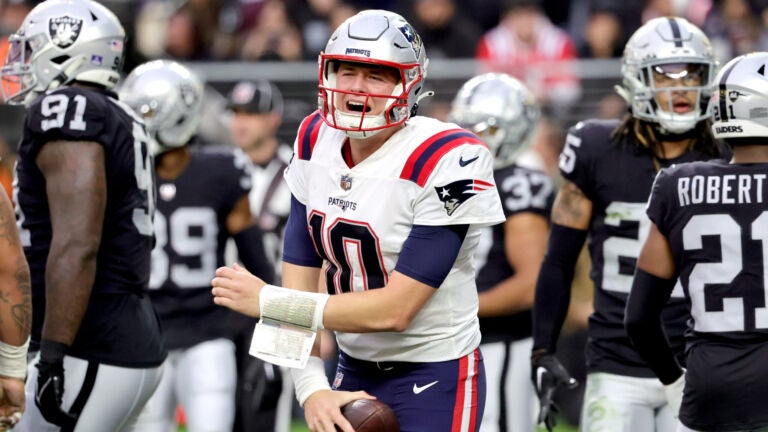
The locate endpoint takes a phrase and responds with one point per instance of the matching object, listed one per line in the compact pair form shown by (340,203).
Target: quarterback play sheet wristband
(299,308)
(310,379)
(13,360)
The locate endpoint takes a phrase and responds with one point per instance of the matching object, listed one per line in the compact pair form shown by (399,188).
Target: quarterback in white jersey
(386,211)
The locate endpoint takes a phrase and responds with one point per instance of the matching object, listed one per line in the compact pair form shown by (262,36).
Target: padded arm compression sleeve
(642,320)
(553,286)
(253,255)
(429,252)
(298,247)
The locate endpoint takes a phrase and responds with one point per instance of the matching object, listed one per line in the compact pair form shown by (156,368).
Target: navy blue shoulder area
(307,136)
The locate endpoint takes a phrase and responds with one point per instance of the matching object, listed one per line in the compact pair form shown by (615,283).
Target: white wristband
(300,308)
(13,360)
(310,379)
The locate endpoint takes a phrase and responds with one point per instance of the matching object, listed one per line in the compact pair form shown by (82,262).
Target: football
(368,415)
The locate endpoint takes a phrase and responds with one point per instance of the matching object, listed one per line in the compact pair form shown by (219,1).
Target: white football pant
(617,403)
(113,401)
(202,380)
(508,372)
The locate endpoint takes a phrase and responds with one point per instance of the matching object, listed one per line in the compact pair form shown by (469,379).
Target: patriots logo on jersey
(64,30)
(454,194)
(346,182)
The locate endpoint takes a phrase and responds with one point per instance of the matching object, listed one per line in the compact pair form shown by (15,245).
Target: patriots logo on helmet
(64,30)
(412,37)
(454,194)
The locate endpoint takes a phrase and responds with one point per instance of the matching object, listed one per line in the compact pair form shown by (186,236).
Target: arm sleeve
(642,320)
(298,247)
(253,255)
(429,252)
(553,286)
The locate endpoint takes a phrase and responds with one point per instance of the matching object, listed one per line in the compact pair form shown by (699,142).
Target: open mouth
(681,107)
(358,107)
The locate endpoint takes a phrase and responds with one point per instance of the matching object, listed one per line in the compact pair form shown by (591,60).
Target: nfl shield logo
(346,182)
(64,30)
(338,379)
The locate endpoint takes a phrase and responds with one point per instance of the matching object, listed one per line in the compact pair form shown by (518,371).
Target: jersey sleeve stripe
(424,159)
(308,134)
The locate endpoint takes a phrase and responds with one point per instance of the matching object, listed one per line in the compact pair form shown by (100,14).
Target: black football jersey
(617,177)
(522,190)
(118,328)
(715,216)
(191,232)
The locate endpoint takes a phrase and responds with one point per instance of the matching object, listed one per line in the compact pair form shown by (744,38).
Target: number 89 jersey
(617,175)
(427,173)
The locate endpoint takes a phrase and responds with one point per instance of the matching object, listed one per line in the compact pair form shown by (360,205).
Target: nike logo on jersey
(417,389)
(464,163)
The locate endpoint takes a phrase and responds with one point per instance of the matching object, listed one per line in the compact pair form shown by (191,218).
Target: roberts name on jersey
(721,189)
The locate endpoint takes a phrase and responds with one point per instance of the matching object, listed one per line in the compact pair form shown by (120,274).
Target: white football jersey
(428,173)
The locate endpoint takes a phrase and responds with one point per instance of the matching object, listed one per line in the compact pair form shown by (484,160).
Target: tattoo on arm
(22,311)
(572,208)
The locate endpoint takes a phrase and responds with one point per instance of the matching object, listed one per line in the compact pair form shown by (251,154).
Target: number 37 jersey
(427,173)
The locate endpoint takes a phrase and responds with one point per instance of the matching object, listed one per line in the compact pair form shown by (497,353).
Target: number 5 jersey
(617,177)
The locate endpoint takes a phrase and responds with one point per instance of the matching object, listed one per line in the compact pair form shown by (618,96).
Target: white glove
(674,394)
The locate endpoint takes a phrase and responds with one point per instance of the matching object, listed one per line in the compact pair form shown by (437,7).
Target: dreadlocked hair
(645,136)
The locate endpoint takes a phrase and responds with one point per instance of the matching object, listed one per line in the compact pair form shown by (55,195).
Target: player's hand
(12,401)
(322,410)
(236,288)
(548,374)
(50,385)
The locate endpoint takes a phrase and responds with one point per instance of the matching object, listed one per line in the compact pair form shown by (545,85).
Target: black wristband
(52,351)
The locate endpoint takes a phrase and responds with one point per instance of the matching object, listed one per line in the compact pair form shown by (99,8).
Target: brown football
(368,415)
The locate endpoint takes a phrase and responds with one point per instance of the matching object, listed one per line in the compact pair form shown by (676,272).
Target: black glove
(548,374)
(50,385)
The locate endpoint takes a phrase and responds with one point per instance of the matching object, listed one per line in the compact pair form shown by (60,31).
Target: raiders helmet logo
(64,30)
(456,193)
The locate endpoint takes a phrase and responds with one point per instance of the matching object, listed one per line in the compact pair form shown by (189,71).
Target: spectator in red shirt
(525,44)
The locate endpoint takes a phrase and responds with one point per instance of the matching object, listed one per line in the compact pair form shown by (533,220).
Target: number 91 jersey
(427,173)
(617,175)
(79,114)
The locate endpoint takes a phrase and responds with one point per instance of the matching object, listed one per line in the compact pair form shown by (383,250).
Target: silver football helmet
(501,111)
(381,38)
(169,97)
(61,41)
(740,100)
(673,48)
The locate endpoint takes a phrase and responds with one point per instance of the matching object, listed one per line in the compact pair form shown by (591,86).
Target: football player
(503,113)
(387,206)
(86,197)
(202,201)
(265,400)
(15,317)
(709,222)
(609,167)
